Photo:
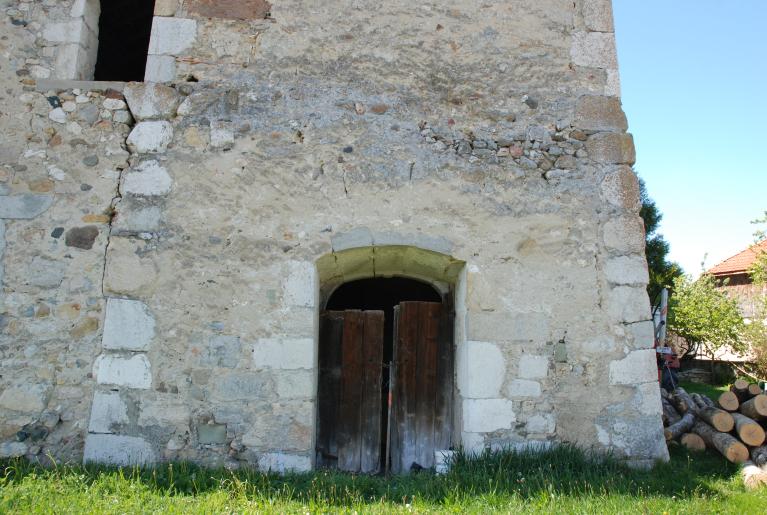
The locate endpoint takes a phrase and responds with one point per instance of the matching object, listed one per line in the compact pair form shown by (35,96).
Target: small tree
(704,316)
(662,271)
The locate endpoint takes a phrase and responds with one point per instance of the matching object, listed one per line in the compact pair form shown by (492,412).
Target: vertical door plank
(428,336)
(351,394)
(423,386)
(405,393)
(370,407)
(329,384)
(443,421)
(394,448)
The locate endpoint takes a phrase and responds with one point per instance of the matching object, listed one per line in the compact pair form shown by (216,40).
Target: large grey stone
(600,113)
(482,370)
(151,101)
(151,137)
(487,415)
(242,386)
(625,235)
(107,411)
(594,50)
(24,207)
(627,270)
(282,463)
(128,325)
(533,367)
(221,351)
(598,15)
(172,36)
(13,449)
(611,148)
(284,353)
(637,367)
(26,397)
(508,326)
(628,304)
(214,434)
(620,188)
(117,450)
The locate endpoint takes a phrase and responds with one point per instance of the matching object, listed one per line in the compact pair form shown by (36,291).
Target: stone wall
(161,242)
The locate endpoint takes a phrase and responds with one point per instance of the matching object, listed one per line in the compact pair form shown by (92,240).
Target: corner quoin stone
(600,113)
(636,368)
(150,137)
(117,450)
(132,372)
(611,148)
(128,325)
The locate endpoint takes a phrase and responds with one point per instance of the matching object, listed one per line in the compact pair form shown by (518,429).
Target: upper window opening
(124,30)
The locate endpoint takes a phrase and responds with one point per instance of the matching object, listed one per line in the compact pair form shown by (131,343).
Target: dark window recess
(124,30)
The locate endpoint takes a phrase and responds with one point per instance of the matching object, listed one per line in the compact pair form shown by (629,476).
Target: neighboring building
(734,278)
(182,258)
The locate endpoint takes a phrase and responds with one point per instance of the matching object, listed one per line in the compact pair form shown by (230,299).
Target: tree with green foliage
(704,316)
(662,271)
(756,331)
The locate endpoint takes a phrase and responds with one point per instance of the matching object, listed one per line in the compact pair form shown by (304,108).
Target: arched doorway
(385,376)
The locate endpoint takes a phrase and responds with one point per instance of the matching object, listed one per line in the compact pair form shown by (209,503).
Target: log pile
(734,424)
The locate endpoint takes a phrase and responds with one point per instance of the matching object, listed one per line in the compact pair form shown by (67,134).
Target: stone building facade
(167,247)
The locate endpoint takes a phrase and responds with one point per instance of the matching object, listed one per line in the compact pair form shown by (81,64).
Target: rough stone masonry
(166,246)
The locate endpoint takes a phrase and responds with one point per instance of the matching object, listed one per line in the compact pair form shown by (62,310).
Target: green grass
(713,392)
(563,480)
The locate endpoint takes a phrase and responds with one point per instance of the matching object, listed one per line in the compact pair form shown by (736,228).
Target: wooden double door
(385,405)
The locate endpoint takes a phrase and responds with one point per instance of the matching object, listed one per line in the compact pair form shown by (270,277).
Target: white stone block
(221,135)
(594,50)
(301,284)
(148,179)
(164,413)
(133,372)
(160,68)
(541,424)
(643,334)
(117,450)
(628,304)
(473,443)
(172,36)
(627,270)
(625,234)
(613,85)
(295,384)
(65,32)
(637,367)
(533,367)
(282,463)
(151,101)
(89,11)
(648,398)
(481,370)
(107,410)
(284,353)
(524,388)
(598,15)
(487,415)
(443,459)
(128,325)
(152,137)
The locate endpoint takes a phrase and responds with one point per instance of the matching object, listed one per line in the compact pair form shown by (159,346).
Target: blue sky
(694,86)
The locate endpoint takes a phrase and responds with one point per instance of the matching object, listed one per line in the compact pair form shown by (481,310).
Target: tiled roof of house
(740,262)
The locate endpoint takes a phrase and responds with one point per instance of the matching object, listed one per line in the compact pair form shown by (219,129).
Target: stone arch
(444,276)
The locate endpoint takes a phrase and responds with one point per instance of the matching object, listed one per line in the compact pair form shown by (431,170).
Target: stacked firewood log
(734,424)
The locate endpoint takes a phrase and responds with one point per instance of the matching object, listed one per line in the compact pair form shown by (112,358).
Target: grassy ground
(713,392)
(563,480)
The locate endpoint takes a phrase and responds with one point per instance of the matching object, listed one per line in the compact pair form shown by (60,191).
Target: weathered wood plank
(349,435)
(428,335)
(370,407)
(443,415)
(329,384)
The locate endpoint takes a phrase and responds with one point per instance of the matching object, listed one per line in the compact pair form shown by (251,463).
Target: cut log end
(729,401)
(740,385)
(753,389)
(755,408)
(693,442)
(736,452)
(720,420)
